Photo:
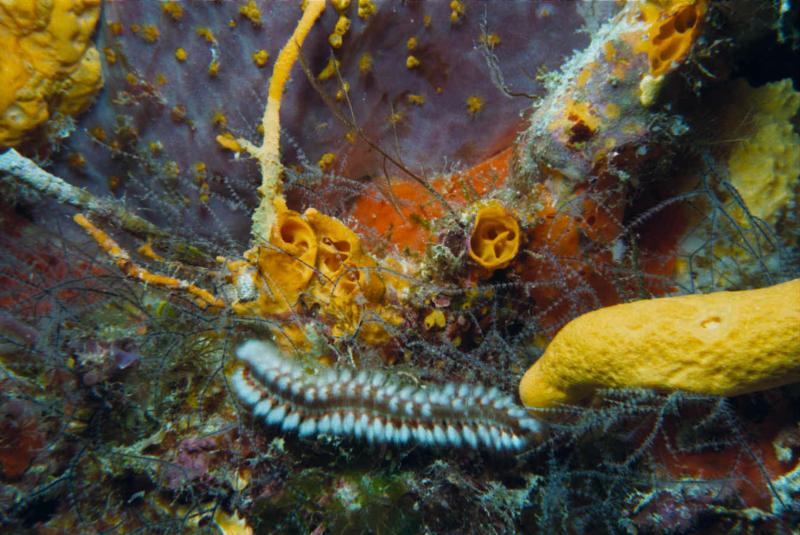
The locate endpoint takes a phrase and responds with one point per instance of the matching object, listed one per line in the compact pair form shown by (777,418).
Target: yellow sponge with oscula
(723,343)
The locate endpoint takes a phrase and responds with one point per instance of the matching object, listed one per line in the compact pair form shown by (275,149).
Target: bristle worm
(374,408)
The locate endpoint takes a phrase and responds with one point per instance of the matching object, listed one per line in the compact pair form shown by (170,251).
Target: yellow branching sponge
(49,64)
(724,343)
(268,154)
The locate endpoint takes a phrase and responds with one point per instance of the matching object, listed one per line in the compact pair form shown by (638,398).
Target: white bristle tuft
(263,407)
(531,424)
(449,390)
(426,410)
(291,421)
(391,389)
(324,424)
(389,432)
(406,392)
(336,424)
(453,436)
(295,388)
(505,439)
(283,383)
(438,435)
(377,429)
(247,393)
(377,380)
(497,439)
(307,428)
(348,422)
(404,434)
(483,434)
(420,435)
(362,426)
(469,437)
(276,415)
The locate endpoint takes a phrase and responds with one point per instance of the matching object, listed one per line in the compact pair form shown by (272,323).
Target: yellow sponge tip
(723,343)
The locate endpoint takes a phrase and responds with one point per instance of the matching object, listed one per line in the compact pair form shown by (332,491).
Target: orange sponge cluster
(673,26)
(316,260)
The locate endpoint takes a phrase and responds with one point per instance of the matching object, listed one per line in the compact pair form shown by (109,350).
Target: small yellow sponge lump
(723,343)
(49,64)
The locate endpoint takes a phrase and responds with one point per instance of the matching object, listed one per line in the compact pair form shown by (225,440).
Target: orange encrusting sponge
(402,213)
(672,31)
(723,343)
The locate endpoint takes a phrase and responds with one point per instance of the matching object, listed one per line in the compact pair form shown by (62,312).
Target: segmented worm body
(375,408)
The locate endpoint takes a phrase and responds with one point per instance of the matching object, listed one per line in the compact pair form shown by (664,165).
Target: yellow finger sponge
(724,343)
(49,64)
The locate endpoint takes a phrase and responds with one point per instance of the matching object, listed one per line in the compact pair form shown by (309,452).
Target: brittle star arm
(203,297)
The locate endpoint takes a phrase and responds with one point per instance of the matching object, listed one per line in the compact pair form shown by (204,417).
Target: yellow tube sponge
(337,243)
(49,64)
(724,343)
(343,265)
(494,241)
(349,287)
(285,265)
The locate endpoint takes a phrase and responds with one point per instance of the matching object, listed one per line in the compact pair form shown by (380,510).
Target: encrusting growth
(723,343)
